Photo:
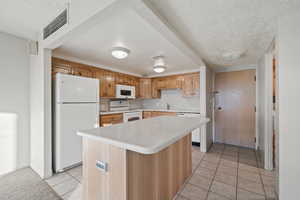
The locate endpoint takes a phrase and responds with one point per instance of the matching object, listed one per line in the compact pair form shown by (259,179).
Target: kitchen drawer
(147,114)
(111,119)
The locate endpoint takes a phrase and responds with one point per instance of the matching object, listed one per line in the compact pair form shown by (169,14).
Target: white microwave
(125,92)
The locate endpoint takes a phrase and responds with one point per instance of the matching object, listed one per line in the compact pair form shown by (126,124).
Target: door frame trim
(214,104)
(269,113)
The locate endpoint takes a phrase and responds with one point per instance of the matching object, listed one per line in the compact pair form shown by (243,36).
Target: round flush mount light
(232,55)
(159,64)
(159,69)
(120,52)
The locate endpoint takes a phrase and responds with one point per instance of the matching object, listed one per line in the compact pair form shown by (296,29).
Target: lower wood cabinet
(159,113)
(149,114)
(106,120)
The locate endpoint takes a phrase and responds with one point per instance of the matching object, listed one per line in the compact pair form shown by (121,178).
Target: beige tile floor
(225,172)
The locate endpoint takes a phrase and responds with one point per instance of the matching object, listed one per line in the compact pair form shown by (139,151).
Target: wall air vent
(56,24)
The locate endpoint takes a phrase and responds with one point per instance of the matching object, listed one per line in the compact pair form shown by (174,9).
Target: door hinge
(255,139)
(255,78)
(254,108)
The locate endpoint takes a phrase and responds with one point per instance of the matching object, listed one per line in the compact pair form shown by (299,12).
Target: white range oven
(132,116)
(125,92)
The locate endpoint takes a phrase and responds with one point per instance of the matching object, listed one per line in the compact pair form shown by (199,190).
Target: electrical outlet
(102,166)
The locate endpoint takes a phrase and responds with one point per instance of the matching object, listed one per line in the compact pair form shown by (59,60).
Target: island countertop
(147,136)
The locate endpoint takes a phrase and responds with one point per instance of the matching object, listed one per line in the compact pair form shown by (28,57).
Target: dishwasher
(196,132)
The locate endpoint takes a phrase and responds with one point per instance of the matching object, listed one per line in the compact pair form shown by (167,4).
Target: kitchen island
(141,160)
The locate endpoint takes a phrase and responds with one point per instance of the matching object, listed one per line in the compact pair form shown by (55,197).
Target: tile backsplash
(175,99)
(172,97)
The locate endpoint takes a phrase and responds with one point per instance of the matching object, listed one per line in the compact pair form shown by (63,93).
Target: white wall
(40,83)
(40,112)
(14,103)
(206,106)
(264,87)
(209,105)
(289,107)
(260,107)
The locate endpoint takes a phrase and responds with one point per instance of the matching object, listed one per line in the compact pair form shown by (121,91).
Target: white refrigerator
(76,107)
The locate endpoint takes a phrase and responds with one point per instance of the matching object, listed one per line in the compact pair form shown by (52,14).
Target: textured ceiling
(212,27)
(217,27)
(123,27)
(25,18)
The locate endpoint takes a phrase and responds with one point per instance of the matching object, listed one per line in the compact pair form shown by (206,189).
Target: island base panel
(159,176)
(135,176)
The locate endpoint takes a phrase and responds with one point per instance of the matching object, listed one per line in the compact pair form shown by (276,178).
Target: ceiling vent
(56,24)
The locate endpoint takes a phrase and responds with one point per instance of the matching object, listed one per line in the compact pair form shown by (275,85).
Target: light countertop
(148,109)
(146,136)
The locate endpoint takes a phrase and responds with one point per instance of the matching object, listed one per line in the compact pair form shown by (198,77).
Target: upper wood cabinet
(145,88)
(68,67)
(174,82)
(123,79)
(169,82)
(155,90)
(85,72)
(191,84)
(59,68)
(107,83)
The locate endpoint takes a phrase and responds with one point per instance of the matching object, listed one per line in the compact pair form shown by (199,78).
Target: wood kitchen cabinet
(175,82)
(191,84)
(161,83)
(155,90)
(107,83)
(169,82)
(136,84)
(149,114)
(106,120)
(85,72)
(145,88)
(122,79)
(68,67)
(61,69)
(159,113)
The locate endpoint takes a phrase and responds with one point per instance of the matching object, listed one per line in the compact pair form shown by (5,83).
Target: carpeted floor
(25,184)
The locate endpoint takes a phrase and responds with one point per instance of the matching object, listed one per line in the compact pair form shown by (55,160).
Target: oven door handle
(133,119)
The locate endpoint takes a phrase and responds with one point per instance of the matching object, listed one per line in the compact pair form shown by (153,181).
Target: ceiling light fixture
(159,64)
(232,55)
(120,52)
